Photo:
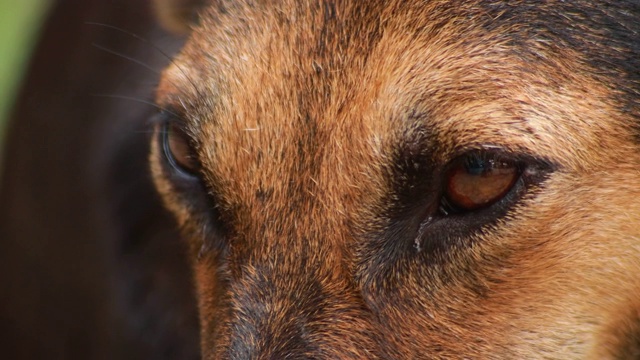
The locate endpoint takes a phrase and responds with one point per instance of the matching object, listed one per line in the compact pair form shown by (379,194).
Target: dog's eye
(179,150)
(478,181)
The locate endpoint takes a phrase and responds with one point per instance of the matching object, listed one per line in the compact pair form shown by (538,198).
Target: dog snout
(274,313)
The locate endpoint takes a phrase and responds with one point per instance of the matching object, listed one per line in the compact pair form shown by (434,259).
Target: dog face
(408,179)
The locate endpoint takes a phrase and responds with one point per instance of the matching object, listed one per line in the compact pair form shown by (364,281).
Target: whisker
(154,46)
(138,100)
(113,52)
(133,35)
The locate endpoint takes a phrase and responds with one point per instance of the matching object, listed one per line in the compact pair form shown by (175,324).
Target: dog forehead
(267,73)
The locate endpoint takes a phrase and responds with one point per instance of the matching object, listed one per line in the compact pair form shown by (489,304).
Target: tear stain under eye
(417,243)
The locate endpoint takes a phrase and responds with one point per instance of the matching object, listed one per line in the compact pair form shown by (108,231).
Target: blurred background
(91,264)
(20,21)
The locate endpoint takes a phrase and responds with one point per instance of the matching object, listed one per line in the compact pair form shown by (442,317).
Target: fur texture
(323,128)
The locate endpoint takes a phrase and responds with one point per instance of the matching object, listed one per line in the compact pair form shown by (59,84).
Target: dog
(433,179)
(408,179)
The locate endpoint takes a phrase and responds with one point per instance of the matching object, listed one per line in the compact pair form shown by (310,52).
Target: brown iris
(479,181)
(178,149)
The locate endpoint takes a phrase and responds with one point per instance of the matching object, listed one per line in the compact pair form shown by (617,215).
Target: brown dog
(409,179)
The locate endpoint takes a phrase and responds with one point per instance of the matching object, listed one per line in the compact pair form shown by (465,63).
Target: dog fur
(322,129)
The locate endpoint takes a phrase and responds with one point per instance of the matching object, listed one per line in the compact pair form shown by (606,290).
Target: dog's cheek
(558,268)
(211,305)
(578,270)
(621,338)
(612,270)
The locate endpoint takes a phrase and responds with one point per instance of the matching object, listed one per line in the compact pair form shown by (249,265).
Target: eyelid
(168,116)
(503,153)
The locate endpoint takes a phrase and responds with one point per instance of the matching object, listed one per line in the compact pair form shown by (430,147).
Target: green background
(20,21)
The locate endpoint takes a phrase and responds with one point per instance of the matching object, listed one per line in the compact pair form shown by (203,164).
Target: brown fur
(301,113)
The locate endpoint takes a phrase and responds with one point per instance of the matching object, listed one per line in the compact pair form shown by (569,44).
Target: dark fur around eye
(422,216)
(181,166)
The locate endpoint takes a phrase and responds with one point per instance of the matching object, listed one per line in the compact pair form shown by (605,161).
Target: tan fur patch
(298,111)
